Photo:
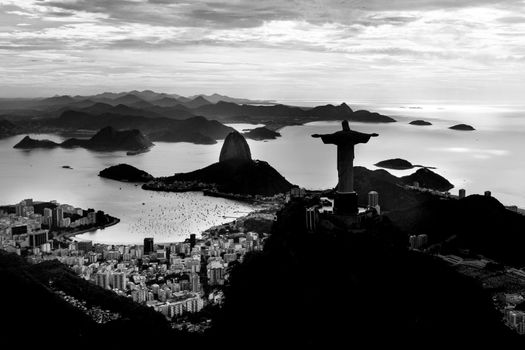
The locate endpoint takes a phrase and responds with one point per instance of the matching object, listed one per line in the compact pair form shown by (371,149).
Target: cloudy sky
(357,51)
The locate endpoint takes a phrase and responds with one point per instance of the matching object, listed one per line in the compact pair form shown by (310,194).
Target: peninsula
(235,174)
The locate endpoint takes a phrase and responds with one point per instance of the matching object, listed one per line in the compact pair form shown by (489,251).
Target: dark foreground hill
(476,222)
(34,313)
(426,178)
(391,189)
(252,177)
(333,287)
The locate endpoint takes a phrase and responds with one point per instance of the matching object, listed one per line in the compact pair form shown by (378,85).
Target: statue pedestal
(345,203)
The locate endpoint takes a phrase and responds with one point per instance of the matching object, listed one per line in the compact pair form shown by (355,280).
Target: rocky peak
(235,147)
(345,107)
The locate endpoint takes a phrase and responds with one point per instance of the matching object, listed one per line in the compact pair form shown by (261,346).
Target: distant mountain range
(126,98)
(164,117)
(7,128)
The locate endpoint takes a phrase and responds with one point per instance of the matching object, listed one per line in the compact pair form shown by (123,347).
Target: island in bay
(462,127)
(107,139)
(399,164)
(396,163)
(420,122)
(262,133)
(125,172)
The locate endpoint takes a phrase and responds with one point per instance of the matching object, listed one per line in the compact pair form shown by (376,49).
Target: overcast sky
(356,51)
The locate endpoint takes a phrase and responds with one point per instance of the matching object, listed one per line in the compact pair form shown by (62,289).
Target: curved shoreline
(69,235)
(231,196)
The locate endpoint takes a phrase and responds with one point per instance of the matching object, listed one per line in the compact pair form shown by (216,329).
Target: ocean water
(168,217)
(490,158)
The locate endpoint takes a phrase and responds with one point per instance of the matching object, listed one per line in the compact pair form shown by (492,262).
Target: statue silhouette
(345,140)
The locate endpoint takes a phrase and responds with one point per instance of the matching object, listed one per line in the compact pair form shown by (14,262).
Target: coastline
(232,196)
(137,152)
(204,188)
(69,235)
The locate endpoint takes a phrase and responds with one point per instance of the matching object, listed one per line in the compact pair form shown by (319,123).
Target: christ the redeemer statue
(345,140)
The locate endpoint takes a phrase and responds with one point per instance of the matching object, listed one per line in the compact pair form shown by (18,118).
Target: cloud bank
(364,50)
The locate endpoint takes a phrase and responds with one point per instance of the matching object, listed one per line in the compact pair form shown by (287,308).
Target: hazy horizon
(404,50)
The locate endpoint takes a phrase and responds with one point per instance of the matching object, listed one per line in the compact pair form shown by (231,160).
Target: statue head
(346,126)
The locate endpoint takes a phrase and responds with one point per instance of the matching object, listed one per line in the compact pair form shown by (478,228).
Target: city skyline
(304,50)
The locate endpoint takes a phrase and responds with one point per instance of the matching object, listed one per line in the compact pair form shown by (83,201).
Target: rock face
(235,147)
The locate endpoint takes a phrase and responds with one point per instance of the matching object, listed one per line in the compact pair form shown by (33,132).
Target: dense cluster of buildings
(171,278)
(418,241)
(174,279)
(31,225)
(514,318)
